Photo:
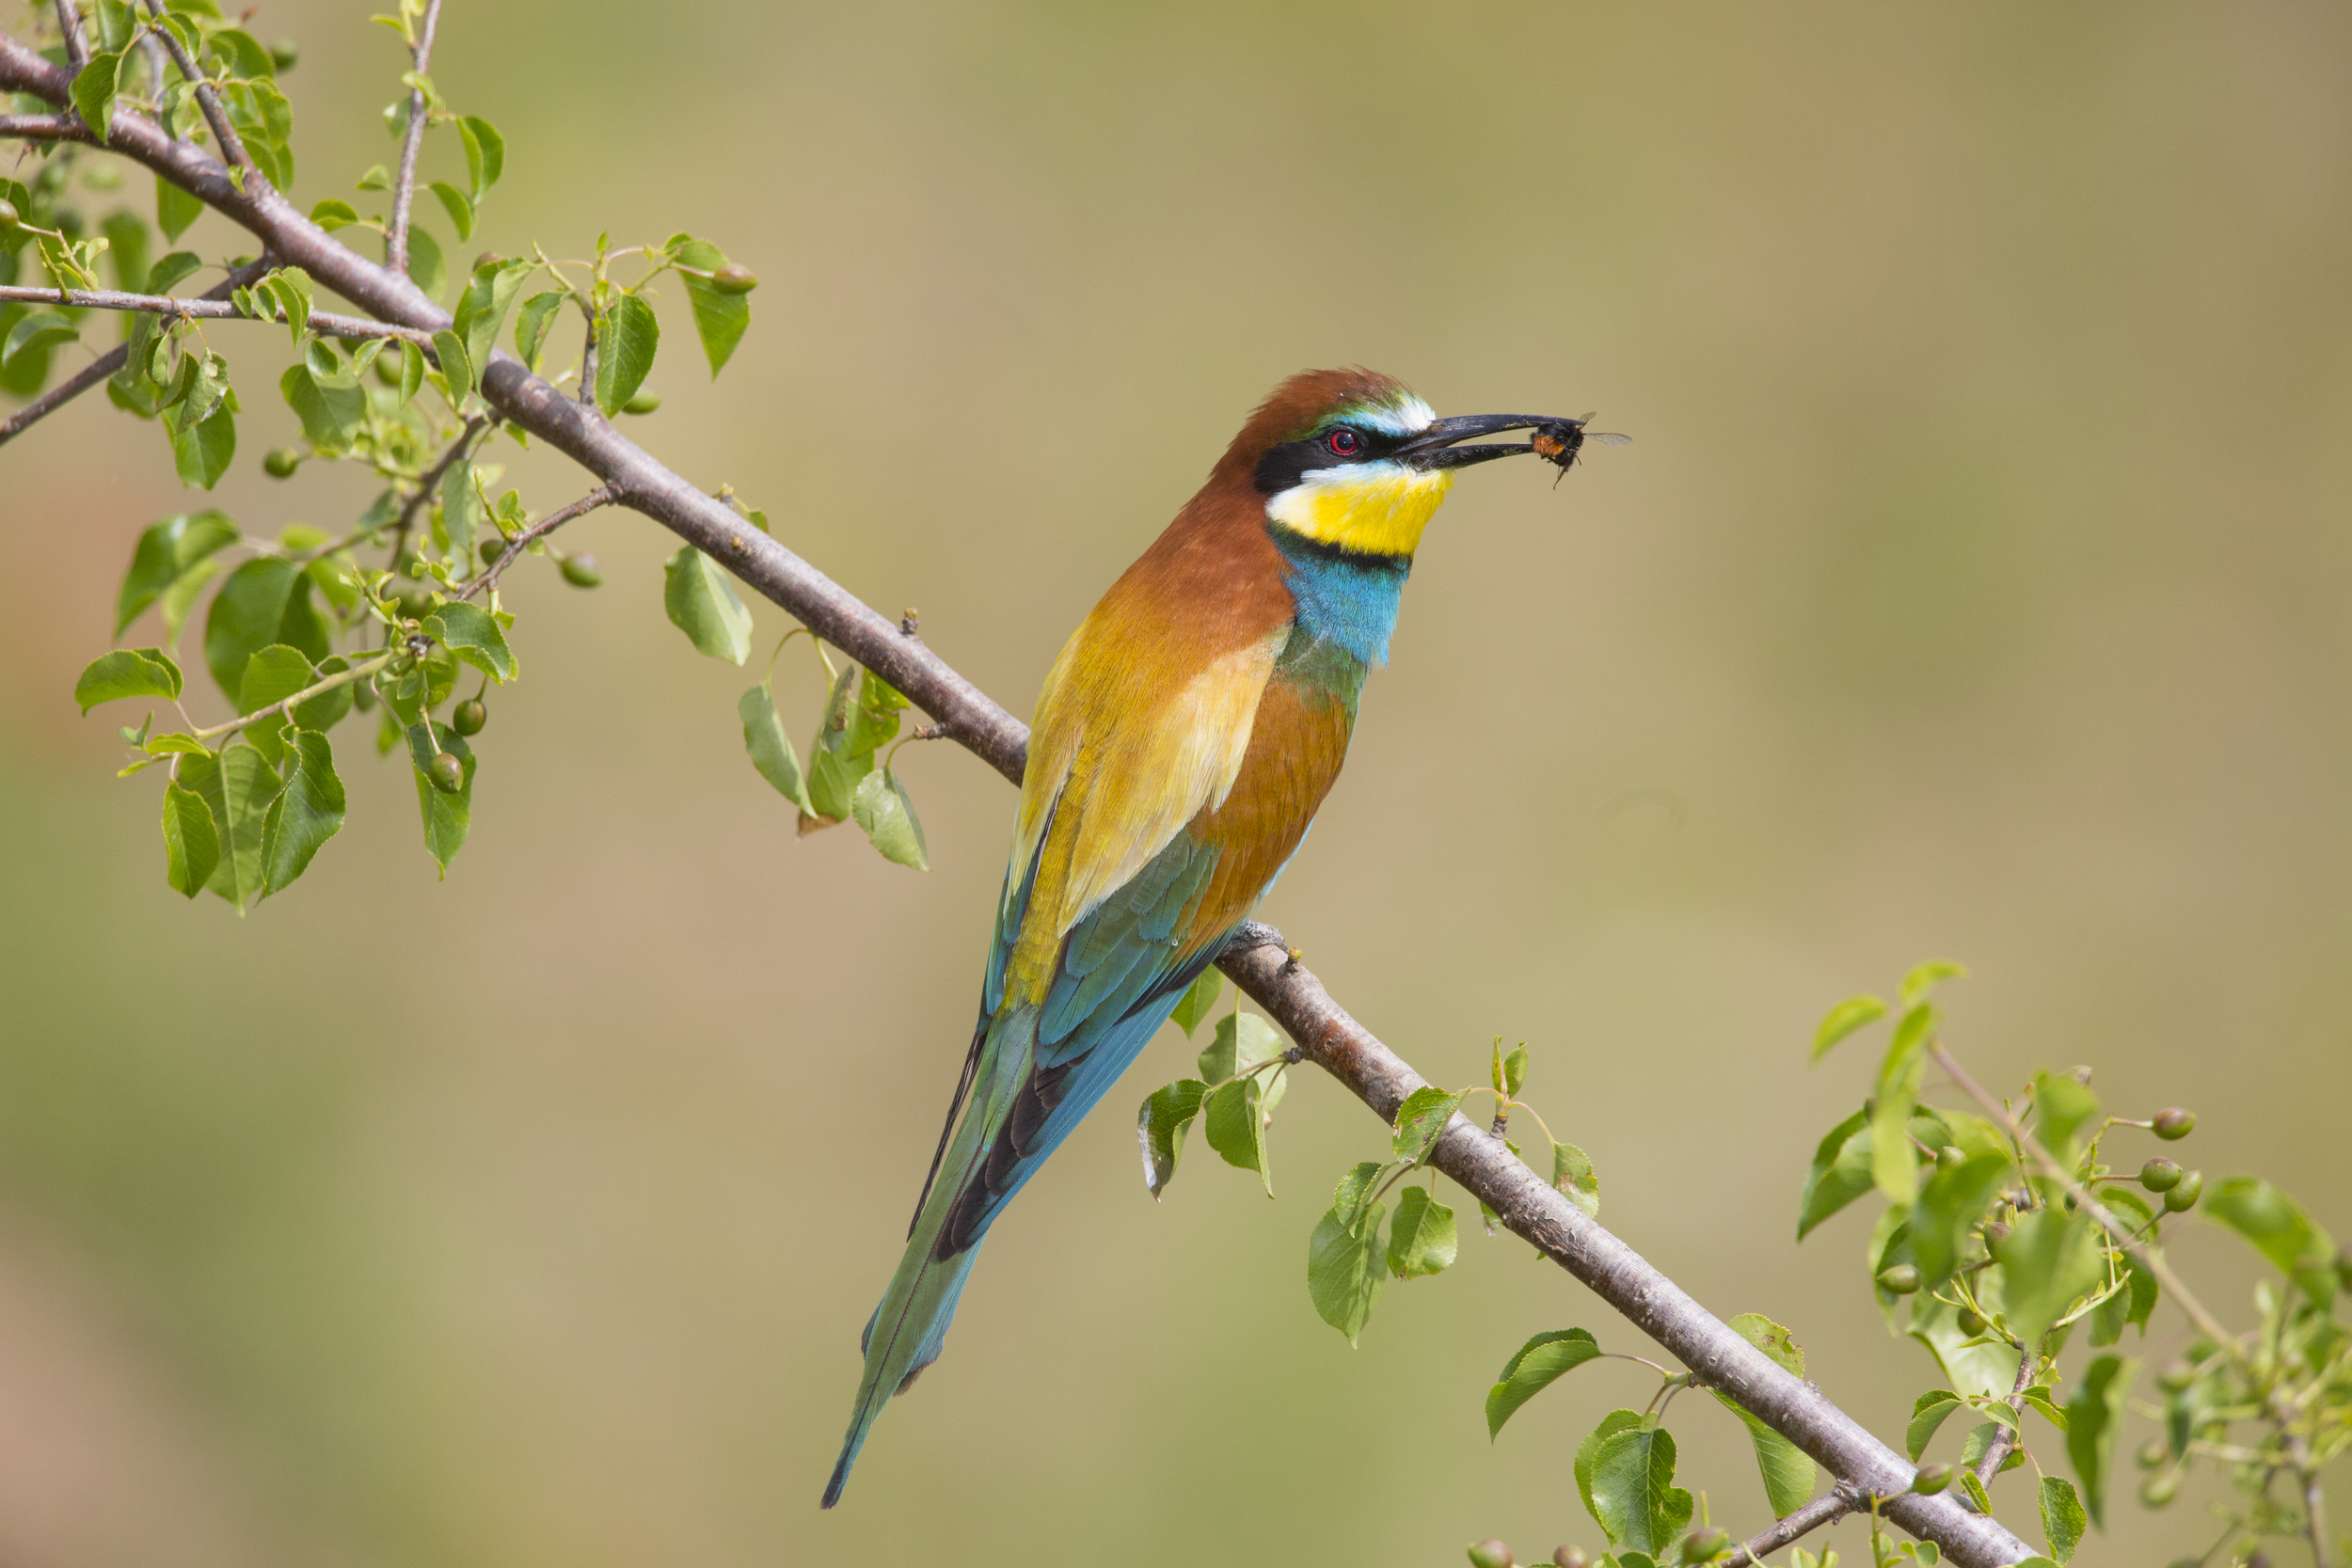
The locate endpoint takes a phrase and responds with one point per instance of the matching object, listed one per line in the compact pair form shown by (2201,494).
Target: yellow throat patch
(1370,508)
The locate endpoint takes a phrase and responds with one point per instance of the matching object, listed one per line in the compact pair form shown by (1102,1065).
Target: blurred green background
(1976,587)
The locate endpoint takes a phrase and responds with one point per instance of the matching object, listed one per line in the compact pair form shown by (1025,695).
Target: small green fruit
(1700,1545)
(2160,1175)
(282,461)
(363,697)
(2174,1124)
(1931,1479)
(2183,1197)
(1996,1231)
(491,549)
(470,717)
(446,773)
(2152,1453)
(1947,1157)
(72,224)
(1901,1278)
(388,369)
(2157,1491)
(1970,1322)
(1490,1554)
(581,571)
(1569,1556)
(414,604)
(284,55)
(9,216)
(732,279)
(643,402)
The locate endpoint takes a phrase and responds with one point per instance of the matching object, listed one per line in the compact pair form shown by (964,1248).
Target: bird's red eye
(1343,443)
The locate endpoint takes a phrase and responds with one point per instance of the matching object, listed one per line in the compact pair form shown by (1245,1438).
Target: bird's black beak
(1433,448)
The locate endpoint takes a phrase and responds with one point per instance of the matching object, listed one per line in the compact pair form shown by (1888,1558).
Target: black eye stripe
(1284,462)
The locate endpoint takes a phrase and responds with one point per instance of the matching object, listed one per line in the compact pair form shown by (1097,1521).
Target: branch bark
(326,324)
(1827,1508)
(231,144)
(405,184)
(1256,960)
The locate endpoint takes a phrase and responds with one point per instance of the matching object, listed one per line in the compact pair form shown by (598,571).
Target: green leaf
(2037,1400)
(128,673)
(237,785)
(1786,1470)
(1421,1122)
(473,633)
(1572,1173)
(191,842)
(703,604)
(881,807)
(1233,1120)
(1536,1365)
(425,265)
(1984,1501)
(1853,1013)
(1977,1365)
(628,337)
(446,816)
(1610,1424)
(1926,977)
(770,749)
(834,774)
(1422,1241)
(306,813)
(1894,1164)
(411,369)
(1242,1042)
(40,330)
(2063,1519)
(2064,1107)
(126,251)
(533,323)
(461,511)
(331,214)
(482,308)
(2094,1415)
(1161,1126)
(1198,999)
(378,178)
(203,452)
(1948,1206)
(291,288)
(328,710)
(2048,1258)
(875,719)
(1634,1497)
(330,416)
(247,615)
(2280,1230)
(94,90)
(720,319)
(1515,1069)
(458,206)
(1840,1173)
(271,675)
(1345,1276)
(1928,1412)
(485,152)
(175,208)
(1355,1189)
(458,369)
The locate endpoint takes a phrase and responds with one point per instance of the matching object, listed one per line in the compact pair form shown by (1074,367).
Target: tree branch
(603,494)
(321,321)
(431,481)
(69,23)
(1827,1508)
(112,361)
(1288,992)
(405,184)
(231,144)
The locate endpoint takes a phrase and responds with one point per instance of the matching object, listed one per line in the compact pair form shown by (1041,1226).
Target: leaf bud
(282,461)
(1901,1278)
(1931,1479)
(1948,1156)
(732,279)
(1701,1544)
(1490,1554)
(1569,1556)
(469,717)
(1971,1323)
(2175,1123)
(643,402)
(446,772)
(2157,1491)
(284,55)
(9,216)
(2152,1453)
(2183,1197)
(581,571)
(2160,1175)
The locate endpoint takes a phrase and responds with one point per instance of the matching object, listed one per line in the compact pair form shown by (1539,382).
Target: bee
(1558,443)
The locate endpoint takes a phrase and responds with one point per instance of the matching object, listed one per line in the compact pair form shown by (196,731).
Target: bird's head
(1353,460)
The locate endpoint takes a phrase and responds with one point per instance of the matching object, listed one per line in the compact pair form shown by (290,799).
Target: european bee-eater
(1186,736)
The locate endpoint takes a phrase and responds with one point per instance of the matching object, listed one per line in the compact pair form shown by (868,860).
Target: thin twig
(326,324)
(588,364)
(112,361)
(603,494)
(431,481)
(231,144)
(2147,1257)
(405,184)
(2004,1438)
(1827,1508)
(1285,987)
(69,23)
